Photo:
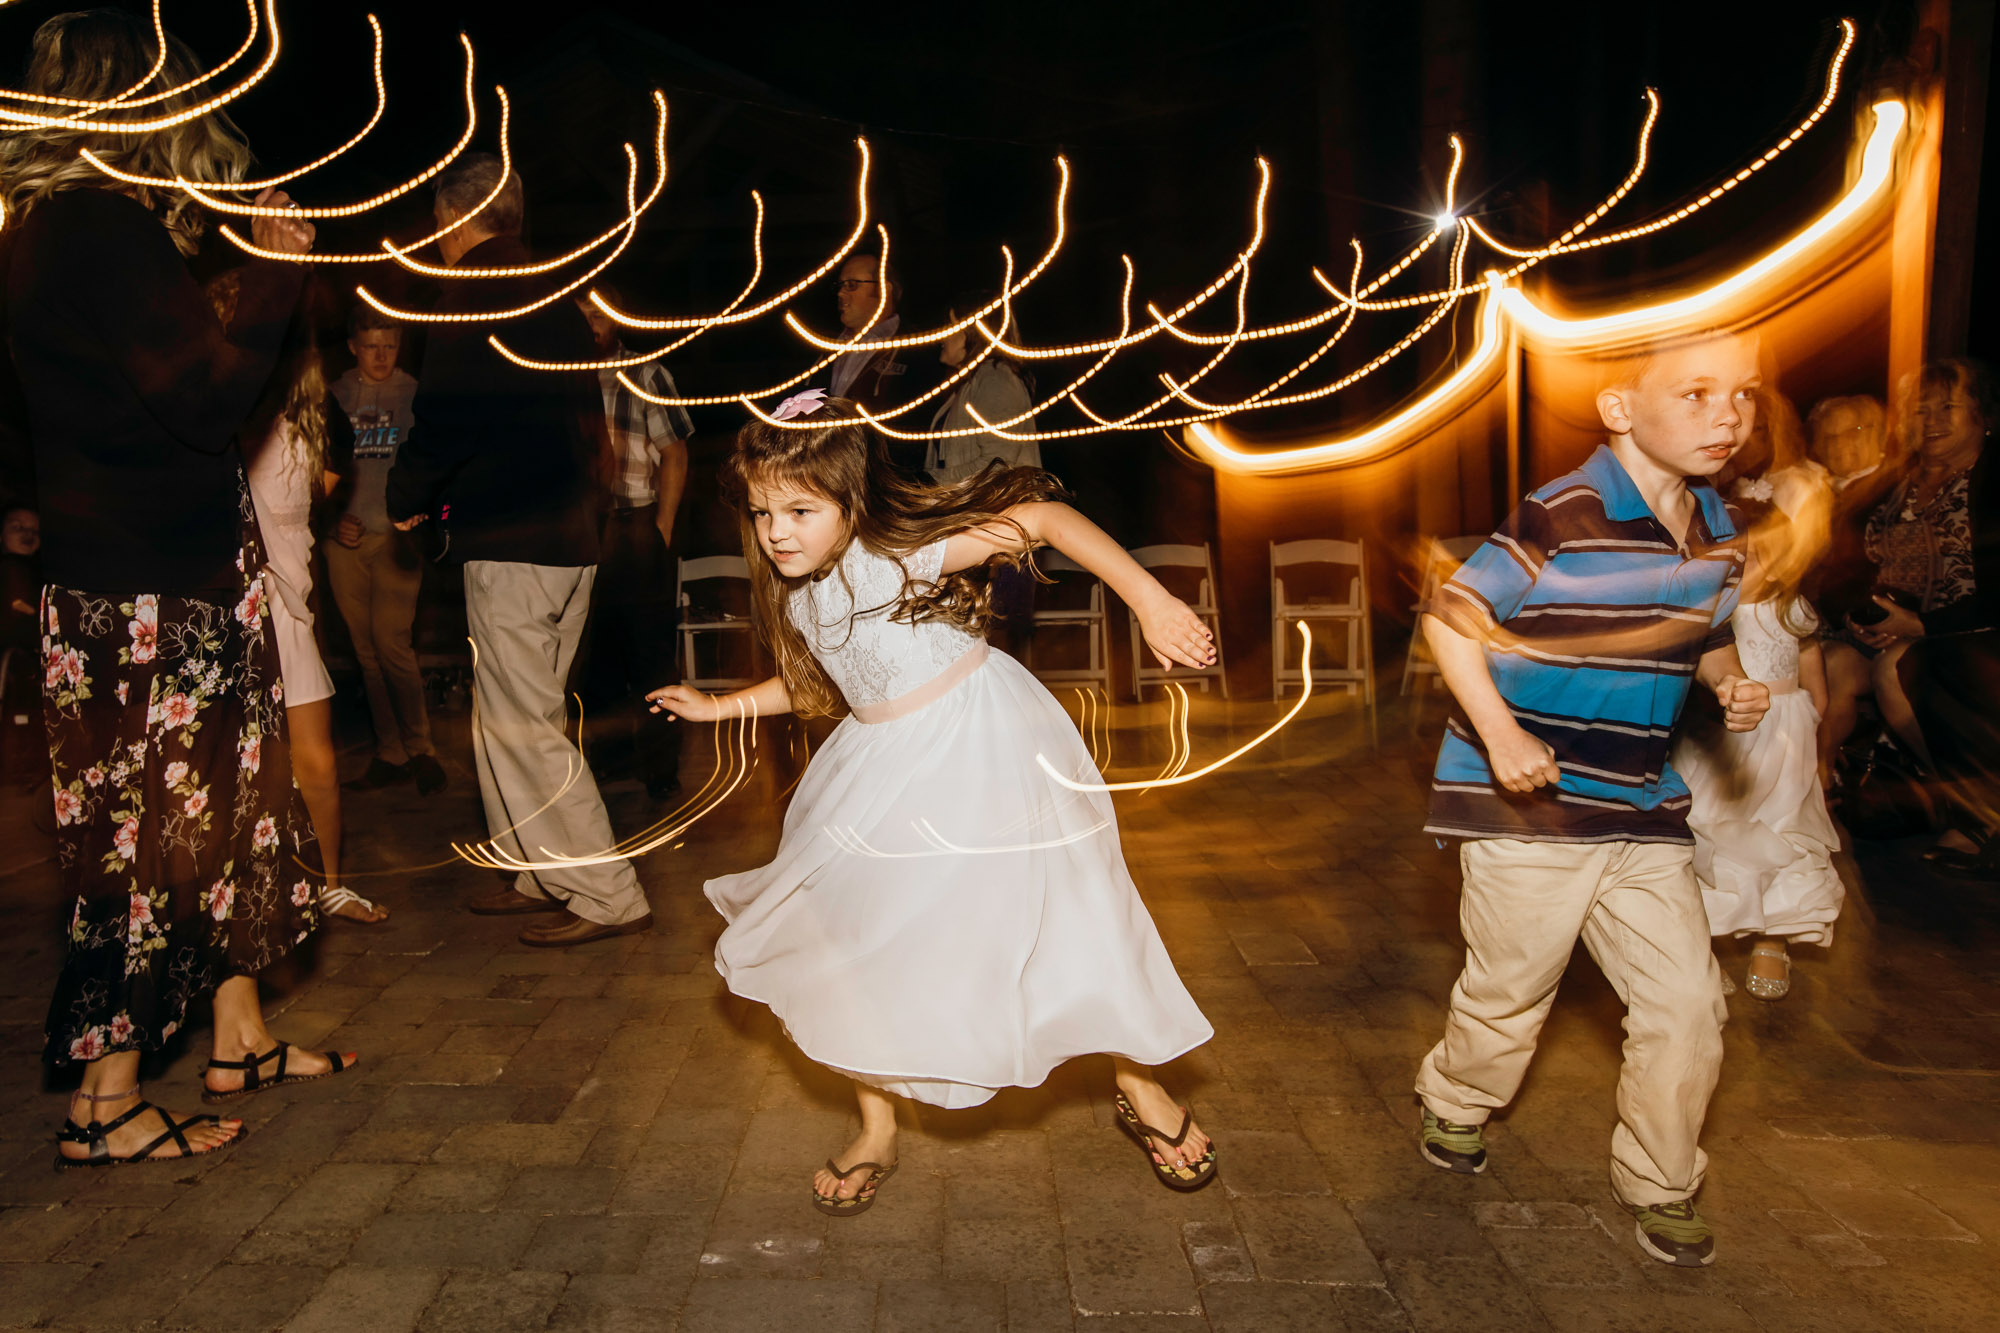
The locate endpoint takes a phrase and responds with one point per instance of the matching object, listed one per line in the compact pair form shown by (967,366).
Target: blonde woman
(179,832)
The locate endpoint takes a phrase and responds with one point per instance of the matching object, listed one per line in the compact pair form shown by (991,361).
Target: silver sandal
(334,897)
(1769,988)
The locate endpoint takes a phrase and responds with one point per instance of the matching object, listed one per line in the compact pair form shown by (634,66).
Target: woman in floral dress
(180,833)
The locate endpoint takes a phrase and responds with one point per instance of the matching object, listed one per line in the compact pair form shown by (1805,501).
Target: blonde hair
(846,462)
(1786,540)
(96,55)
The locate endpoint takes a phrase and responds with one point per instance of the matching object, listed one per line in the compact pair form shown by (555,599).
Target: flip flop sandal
(1197,1173)
(96,1136)
(253,1079)
(864,1199)
(333,899)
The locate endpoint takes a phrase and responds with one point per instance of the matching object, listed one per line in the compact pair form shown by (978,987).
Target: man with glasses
(885,377)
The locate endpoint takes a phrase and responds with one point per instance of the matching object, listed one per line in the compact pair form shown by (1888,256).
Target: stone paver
(602,1139)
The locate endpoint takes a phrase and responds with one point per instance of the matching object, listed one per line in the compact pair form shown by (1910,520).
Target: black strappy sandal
(96,1136)
(863,1200)
(1197,1173)
(253,1079)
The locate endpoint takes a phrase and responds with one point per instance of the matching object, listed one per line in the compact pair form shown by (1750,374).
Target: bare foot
(877,1148)
(142,1129)
(300,1063)
(1953,840)
(1155,1108)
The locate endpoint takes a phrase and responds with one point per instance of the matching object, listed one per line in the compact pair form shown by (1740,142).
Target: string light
(271,182)
(127,99)
(1007,290)
(634,210)
(860,337)
(640,358)
(506,173)
(631,321)
(31,120)
(1219,448)
(1180,779)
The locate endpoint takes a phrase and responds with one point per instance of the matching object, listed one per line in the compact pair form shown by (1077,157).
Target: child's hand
(1744,702)
(1175,633)
(685,701)
(1522,762)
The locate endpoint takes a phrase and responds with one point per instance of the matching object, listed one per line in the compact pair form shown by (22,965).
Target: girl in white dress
(286,461)
(1764,841)
(943,918)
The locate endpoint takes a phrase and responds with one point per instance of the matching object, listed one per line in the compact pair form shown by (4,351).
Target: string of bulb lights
(1178,406)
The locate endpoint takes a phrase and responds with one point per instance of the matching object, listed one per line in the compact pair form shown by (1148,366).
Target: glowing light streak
(271,182)
(860,338)
(631,321)
(31,120)
(740,765)
(640,358)
(1305,693)
(849,840)
(401,254)
(1008,288)
(1125,324)
(129,99)
(634,210)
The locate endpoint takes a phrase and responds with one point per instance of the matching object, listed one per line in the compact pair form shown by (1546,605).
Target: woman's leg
(110,1088)
(1894,703)
(316,769)
(1154,1107)
(240,1031)
(1847,679)
(876,1143)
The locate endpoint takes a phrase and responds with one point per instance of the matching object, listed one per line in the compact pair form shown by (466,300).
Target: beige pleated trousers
(1638,910)
(540,796)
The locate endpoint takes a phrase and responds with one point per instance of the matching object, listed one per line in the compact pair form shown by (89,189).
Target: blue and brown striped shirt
(1593,622)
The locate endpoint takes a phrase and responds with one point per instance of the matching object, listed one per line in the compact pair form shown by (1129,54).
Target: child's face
(1846,443)
(23,532)
(800,530)
(375,353)
(1693,409)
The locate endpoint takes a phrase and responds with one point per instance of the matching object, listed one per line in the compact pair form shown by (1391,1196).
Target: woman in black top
(179,831)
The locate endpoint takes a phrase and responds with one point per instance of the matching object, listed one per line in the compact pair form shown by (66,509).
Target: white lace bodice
(1770,652)
(845,620)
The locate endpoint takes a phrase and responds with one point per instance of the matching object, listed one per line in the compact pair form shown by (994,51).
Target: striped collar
(1624,504)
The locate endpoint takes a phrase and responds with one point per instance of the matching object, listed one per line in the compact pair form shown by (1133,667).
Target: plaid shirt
(640,429)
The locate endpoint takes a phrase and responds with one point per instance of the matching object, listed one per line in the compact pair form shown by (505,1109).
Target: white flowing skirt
(943,919)
(1763,840)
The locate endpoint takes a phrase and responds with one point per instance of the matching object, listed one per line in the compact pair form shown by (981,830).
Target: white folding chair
(1349,613)
(723,624)
(1144,670)
(1443,556)
(1090,619)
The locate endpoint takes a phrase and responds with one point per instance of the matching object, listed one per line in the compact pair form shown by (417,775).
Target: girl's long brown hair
(846,461)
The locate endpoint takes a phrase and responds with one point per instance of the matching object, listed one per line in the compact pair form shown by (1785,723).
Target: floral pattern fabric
(179,831)
(1925,551)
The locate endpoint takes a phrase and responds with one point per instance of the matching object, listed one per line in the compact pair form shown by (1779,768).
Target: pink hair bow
(803,403)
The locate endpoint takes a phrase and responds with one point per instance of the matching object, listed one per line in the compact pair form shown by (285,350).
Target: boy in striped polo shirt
(1570,642)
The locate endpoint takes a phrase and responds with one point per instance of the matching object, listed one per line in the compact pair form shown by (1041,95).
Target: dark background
(1162,111)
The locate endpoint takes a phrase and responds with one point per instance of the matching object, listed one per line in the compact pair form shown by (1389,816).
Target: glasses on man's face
(846,285)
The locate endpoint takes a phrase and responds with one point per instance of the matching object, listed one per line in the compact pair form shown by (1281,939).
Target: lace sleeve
(926,563)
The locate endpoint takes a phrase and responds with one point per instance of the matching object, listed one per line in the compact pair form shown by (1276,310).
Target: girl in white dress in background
(287,461)
(943,917)
(1764,841)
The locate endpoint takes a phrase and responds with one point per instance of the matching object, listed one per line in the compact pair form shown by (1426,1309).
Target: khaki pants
(525,622)
(1639,911)
(375,585)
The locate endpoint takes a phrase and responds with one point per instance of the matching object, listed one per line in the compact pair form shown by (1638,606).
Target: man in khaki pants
(1569,642)
(510,460)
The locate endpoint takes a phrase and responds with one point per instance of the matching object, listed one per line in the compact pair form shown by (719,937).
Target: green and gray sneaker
(1674,1233)
(1454,1147)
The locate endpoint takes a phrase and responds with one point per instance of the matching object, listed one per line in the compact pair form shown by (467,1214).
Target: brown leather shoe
(509,902)
(573,929)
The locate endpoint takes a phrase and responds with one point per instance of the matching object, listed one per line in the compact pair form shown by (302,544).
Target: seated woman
(1935,542)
